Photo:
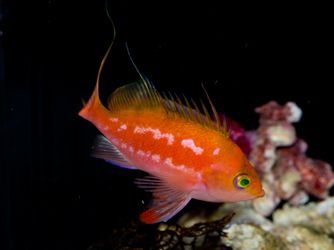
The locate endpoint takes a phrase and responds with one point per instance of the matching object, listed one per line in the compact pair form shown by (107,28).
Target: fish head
(233,178)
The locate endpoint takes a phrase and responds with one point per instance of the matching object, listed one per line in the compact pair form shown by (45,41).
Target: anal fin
(104,149)
(167,201)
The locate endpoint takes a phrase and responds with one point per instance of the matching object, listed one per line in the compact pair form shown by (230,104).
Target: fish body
(185,153)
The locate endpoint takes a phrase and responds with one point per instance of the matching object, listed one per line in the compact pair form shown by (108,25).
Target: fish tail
(94,103)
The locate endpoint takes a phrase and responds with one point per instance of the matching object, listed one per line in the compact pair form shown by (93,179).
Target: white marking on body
(169,162)
(189,143)
(131,149)
(141,153)
(113,119)
(216,151)
(122,127)
(156,157)
(105,127)
(123,145)
(183,168)
(157,135)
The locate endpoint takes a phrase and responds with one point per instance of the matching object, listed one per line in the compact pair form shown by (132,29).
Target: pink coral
(275,131)
(317,176)
(273,112)
(280,158)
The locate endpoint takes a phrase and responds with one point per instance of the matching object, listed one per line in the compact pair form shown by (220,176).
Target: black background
(54,196)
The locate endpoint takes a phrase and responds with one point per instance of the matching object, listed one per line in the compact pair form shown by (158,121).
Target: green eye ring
(241,181)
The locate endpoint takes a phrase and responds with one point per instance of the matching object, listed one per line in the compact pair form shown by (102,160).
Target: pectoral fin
(166,201)
(107,151)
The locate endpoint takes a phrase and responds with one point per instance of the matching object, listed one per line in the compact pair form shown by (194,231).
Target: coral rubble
(307,227)
(288,174)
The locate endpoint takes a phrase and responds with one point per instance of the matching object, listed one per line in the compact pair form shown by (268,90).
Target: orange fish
(186,153)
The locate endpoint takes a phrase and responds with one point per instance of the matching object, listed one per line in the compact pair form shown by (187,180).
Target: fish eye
(241,181)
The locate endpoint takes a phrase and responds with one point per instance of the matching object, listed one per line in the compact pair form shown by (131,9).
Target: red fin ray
(167,201)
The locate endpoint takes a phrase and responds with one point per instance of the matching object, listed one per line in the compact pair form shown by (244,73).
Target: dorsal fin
(140,94)
(190,111)
(144,95)
(134,95)
(213,109)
